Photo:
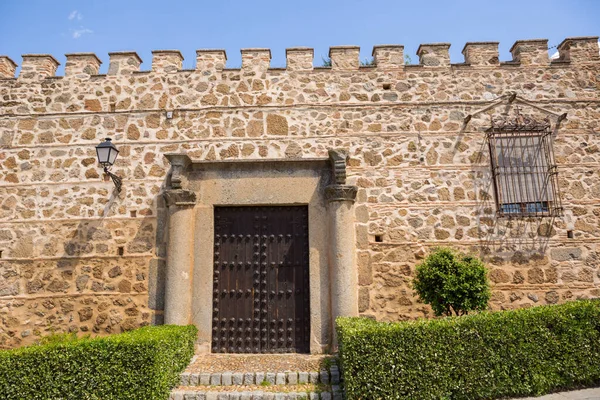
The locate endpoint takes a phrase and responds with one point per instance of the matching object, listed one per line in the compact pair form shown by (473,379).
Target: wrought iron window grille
(524,171)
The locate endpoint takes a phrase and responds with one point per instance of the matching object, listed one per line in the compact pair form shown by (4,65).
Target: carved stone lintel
(338,158)
(341,193)
(180,197)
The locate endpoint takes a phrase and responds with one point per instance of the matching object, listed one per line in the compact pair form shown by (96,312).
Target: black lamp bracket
(116,180)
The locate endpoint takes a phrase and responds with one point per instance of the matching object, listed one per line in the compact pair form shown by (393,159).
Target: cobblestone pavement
(585,394)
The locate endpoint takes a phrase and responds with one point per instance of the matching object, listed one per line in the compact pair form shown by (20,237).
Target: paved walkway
(585,394)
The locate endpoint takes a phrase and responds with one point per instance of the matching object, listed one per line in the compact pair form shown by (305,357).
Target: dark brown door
(260,291)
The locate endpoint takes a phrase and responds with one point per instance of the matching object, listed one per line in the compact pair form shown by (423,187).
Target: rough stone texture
(423,175)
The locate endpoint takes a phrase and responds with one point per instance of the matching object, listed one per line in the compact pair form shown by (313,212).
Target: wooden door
(260,291)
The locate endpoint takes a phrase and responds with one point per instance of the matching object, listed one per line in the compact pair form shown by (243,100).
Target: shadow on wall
(515,240)
(131,262)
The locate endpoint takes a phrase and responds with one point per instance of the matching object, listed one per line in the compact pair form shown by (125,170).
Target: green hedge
(140,364)
(489,355)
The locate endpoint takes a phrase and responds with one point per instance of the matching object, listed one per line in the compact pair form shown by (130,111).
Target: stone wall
(76,256)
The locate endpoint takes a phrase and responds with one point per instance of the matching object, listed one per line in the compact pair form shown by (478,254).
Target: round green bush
(452,283)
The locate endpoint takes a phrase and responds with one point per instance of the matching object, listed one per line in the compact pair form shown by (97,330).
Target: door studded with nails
(260,280)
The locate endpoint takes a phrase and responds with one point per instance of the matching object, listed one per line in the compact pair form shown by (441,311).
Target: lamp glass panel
(112,156)
(103,154)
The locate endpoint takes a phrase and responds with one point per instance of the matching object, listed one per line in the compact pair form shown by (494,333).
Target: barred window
(523,169)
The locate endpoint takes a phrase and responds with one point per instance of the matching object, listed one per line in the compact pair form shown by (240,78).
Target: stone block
(249,378)
(204,378)
(280,378)
(313,377)
(260,377)
(324,376)
(238,378)
(215,379)
(302,377)
(184,379)
(194,379)
(565,253)
(335,375)
(190,395)
(246,396)
(226,379)
(270,377)
(292,378)
(325,395)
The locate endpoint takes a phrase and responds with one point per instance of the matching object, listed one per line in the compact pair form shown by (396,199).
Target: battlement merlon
(481,53)
(579,49)
(530,52)
(434,54)
(7,67)
(82,65)
(344,58)
(299,58)
(123,63)
(388,56)
(166,61)
(210,60)
(36,66)
(256,59)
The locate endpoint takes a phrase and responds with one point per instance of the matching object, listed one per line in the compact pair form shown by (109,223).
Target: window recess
(524,172)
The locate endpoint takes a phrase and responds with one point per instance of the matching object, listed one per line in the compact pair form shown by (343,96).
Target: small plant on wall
(452,283)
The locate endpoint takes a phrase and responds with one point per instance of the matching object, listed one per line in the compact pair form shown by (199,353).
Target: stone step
(256,378)
(252,393)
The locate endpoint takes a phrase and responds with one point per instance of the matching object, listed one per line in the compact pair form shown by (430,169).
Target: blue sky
(101,26)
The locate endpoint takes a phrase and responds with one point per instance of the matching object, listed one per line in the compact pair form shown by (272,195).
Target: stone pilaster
(342,243)
(180,250)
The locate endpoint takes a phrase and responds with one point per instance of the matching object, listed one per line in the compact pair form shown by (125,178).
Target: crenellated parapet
(257,61)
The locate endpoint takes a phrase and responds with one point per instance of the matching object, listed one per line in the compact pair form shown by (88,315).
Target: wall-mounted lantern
(107,154)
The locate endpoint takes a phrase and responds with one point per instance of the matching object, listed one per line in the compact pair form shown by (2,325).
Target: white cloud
(77,33)
(75,15)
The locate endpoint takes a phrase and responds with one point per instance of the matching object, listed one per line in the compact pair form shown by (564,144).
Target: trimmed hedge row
(489,355)
(140,364)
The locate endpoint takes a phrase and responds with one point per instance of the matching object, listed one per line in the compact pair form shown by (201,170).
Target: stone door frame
(196,187)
